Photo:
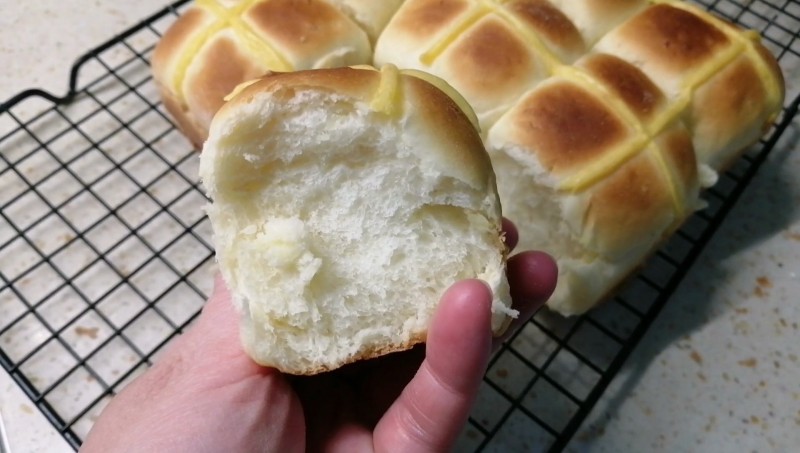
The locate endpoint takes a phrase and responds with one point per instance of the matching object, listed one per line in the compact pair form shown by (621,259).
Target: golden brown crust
(370,15)
(492,59)
(776,72)
(166,56)
(678,153)
(627,82)
(635,199)
(550,23)
(226,53)
(729,112)
(208,81)
(173,40)
(424,19)
(567,126)
(491,52)
(674,39)
(717,78)
(445,120)
(609,6)
(595,18)
(193,132)
(300,28)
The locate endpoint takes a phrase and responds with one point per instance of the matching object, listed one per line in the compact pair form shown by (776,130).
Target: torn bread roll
(345,202)
(218,44)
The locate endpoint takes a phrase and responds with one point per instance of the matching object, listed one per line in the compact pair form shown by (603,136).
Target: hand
(205,395)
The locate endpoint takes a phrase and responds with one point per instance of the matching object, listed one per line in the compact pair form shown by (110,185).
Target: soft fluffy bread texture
(604,119)
(345,202)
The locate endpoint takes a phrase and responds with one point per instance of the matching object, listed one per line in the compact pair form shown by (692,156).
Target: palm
(205,394)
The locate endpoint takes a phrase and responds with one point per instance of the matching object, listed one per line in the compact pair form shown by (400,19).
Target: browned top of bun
(214,47)
(567,126)
(627,82)
(691,40)
(300,28)
(549,23)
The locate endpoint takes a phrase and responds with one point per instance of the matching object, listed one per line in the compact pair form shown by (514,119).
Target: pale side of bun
(371,15)
(345,202)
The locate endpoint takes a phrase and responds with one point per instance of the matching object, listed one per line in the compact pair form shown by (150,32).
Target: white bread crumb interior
(338,227)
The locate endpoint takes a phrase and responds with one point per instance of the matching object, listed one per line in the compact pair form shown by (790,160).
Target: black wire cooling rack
(105,253)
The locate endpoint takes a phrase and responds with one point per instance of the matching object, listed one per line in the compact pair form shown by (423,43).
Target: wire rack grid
(105,254)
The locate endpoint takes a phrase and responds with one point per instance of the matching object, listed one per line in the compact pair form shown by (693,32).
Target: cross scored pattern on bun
(494,51)
(218,44)
(604,119)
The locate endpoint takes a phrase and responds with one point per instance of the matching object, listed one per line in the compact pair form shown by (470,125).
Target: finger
(432,410)
(532,277)
(511,234)
(219,308)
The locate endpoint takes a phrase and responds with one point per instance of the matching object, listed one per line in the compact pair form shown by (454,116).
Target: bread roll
(345,202)
(584,174)
(217,44)
(661,78)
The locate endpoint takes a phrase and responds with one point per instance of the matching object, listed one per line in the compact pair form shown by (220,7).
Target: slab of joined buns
(345,202)
(604,119)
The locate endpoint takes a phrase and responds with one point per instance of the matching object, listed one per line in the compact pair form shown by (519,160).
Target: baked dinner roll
(587,172)
(217,44)
(345,202)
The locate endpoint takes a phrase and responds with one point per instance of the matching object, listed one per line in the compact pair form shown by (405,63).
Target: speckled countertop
(39,41)
(719,370)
